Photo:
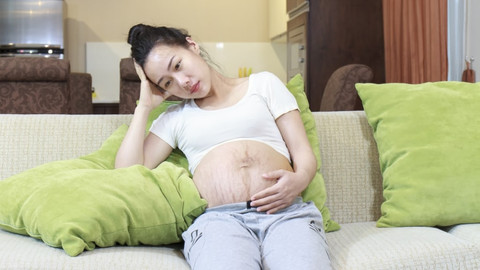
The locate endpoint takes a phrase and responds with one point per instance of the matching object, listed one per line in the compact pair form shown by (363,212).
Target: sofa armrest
(80,99)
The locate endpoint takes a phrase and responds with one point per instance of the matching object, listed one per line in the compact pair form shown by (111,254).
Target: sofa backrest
(29,140)
(34,85)
(349,155)
(129,86)
(43,85)
(350,166)
(340,93)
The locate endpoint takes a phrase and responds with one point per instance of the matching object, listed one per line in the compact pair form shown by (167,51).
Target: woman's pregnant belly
(232,172)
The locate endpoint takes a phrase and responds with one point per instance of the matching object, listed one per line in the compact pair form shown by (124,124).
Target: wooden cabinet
(329,34)
(293,4)
(297,47)
(105,108)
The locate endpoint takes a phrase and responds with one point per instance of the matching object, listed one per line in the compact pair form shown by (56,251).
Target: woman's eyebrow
(168,68)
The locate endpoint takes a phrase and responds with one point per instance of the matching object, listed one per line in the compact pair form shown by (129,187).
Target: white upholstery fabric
(469,232)
(27,141)
(21,252)
(364,246)
(350,166)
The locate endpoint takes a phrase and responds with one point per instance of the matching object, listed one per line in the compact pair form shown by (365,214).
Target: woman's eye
(177,66)
(167,84)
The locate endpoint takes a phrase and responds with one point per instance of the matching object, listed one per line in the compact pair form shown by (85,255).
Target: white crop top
(196,131)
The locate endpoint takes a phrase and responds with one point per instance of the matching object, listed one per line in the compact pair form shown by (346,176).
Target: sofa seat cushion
(364,246)
(468,232)
(22,252)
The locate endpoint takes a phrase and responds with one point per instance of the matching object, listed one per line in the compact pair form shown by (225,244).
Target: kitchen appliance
(32,28)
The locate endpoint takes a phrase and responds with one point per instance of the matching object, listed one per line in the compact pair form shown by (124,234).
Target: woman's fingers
(140,72)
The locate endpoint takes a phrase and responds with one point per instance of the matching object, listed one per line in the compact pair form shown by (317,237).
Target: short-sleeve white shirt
(196,131)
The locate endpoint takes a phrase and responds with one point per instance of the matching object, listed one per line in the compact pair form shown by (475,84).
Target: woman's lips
(195,88)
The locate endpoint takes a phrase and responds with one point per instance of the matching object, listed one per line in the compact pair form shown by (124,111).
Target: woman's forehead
(161,53)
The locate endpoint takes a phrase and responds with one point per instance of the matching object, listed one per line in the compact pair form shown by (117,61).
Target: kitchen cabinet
(324,35)
(297,47)
(293,4)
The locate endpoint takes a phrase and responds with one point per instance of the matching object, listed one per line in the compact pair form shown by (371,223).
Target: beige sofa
(354,190)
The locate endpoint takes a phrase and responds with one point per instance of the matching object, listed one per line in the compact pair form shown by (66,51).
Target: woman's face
(180,71)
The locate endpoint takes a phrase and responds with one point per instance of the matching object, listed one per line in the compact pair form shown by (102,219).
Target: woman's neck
(223,89)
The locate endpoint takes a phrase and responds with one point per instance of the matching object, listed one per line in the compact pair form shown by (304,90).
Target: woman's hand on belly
(289,185)
(233,172)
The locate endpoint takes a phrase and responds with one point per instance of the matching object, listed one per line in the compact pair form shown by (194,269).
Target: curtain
(415,33)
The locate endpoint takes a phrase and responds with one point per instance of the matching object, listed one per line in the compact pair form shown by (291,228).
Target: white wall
(206,21)
(473,35)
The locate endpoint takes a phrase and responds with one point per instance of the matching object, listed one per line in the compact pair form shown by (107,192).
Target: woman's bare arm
(289,184)
(135,148)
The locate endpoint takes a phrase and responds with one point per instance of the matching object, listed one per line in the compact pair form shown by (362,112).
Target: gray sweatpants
(235,237)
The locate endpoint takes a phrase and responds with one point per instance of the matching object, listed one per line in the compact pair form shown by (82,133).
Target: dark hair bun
(135,33)
(143,38)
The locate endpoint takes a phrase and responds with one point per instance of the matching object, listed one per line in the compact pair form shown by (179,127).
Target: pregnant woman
(247,150)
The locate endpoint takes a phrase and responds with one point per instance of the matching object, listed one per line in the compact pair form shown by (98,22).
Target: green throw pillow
(155,113)
(315,191)
(82,203)
(176,156)
(428,138)
(83,208)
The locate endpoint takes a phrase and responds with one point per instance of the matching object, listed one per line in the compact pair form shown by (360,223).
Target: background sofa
(43,85)
(130,87)
(354,195)
(340,93)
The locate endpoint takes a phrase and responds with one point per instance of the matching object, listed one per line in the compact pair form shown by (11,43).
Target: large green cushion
(428,138)
(315,191)
(82,203)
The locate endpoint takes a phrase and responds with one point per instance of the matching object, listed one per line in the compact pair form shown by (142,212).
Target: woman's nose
(183,81)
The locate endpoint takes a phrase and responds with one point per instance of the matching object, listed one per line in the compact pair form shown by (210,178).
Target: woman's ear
(193,45)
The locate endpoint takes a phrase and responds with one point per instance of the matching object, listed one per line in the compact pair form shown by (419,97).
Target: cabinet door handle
(301,47)
(301,60)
